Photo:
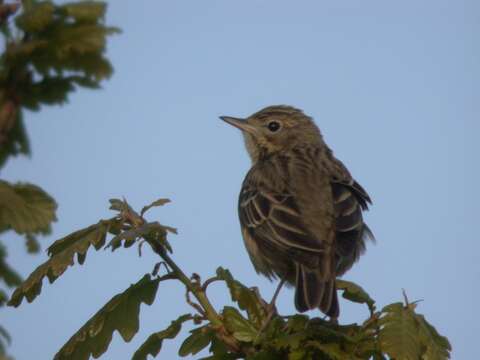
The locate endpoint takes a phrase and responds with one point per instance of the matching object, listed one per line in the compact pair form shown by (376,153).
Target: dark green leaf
(153,344)
(36,18)
(247,299)
(399,336)
(7,274)
(292,341)
(33,246)
(62,254)
(266,354)
(159,202)
(120,314)
(15,141)
(241,328)
(218,349)
(151,230)
(25,208)
(3,298)
(297,322)
(298,354)
(329,332)
(4,334)
(355,293)
(199,339)
(334,351)
(437,347)
(85,11)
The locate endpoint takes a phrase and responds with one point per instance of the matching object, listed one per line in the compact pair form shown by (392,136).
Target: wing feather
(275,216)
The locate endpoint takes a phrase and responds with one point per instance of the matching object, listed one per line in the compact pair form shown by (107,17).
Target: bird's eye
(273,126)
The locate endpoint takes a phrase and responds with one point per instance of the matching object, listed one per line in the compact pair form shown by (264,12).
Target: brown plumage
(300,209)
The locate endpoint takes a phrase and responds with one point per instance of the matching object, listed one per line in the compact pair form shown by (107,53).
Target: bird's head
(276,129)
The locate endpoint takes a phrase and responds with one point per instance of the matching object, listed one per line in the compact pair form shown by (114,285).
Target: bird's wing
(350,199)
(274,218)
(351,232)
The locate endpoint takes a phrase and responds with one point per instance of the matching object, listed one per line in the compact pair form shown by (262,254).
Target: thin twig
(193,304)
(209,281)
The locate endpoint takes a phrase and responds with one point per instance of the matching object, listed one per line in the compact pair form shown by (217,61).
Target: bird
(300,209)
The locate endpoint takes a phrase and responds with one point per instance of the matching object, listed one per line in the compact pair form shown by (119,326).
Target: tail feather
(313,292)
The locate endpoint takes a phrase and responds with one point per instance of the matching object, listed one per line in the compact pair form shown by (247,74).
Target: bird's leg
(271,308)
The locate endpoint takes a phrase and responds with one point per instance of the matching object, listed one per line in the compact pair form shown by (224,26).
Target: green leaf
(7,274)
(153,344)
(25,208)
(50,90)
(399,336)
(33,246)
(329,332)
(153,230)
(297,322)
(334,351)
(62,254)
(15,141)
(36,18)
(85,11)
(120,314)
(247,299)
(266,354)
(292,341)
(5,335)
(159,202)
(5,340)
(3,298)
(199,339)
(437,347)
(219,350)
(355,293)
(241,328)
(298,354)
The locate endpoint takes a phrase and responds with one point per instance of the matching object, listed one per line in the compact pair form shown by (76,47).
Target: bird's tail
(312,291)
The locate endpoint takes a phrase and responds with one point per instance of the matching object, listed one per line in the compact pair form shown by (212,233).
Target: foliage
(56,48)
(247,330)
(120,313)
(49,50)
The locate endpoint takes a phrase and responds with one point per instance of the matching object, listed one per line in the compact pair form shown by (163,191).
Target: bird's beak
(239,123)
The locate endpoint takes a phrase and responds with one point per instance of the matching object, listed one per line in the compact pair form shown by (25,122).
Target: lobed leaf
(3,298)
(62,254)
(292,340)
(159,202)
(120,314)
(7,274)
(298,354)
(219,351)
(36,17)
(246,298)
(297,322)
(241,328)
(85,11)
(153,230)
(399,333)
(355,293)
(15,142)
(32,244)
(199,339)
(334,351)
(25,208)
(5,335)
(153,344)
(437,347)
(5,339)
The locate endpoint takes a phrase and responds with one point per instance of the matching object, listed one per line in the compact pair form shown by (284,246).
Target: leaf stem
(196,290)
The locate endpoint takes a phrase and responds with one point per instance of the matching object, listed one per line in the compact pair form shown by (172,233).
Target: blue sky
(394,87)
